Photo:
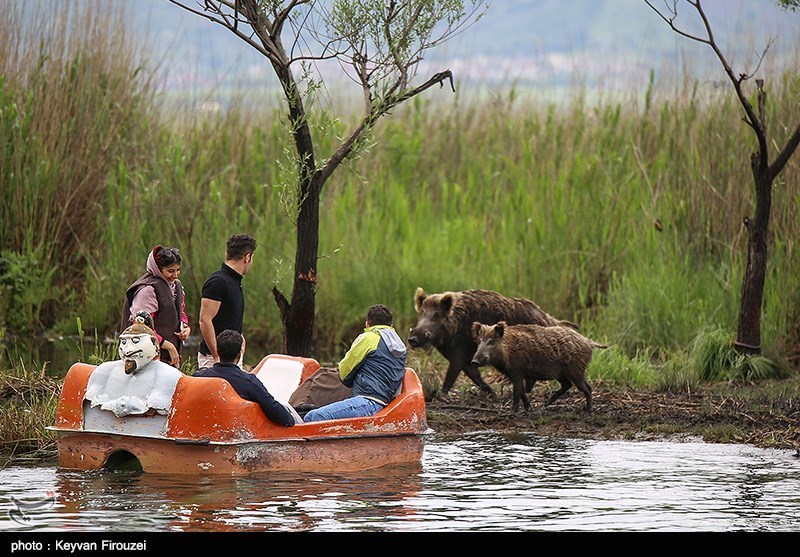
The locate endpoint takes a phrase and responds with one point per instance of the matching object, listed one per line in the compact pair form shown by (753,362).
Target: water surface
(477,482)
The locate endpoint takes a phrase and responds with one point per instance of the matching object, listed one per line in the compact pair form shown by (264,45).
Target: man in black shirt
(248,386)
(222,297)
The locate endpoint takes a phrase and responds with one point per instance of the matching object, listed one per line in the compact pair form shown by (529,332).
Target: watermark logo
(20,513)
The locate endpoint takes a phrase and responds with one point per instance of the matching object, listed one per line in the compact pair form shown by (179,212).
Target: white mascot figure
(138,383)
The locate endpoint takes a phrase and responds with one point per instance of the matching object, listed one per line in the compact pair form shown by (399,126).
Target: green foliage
(26,287)
(792,5)
(714,358)
(713,355)
(753,368)
(614,365)
(677,373)
(400,35)
(662,302)
(70,105)
(28,401)
(100,352)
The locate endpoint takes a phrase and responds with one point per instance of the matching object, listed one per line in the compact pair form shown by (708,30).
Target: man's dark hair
(229,344)
(379,314)
(239,245)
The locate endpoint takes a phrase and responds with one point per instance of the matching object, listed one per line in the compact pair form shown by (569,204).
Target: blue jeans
(353,407)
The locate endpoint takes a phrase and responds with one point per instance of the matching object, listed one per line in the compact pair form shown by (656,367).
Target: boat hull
(92,451)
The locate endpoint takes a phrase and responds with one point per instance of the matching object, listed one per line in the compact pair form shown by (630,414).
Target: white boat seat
(281,376)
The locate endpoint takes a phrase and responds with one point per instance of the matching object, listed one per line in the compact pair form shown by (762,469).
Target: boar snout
(416,340)
(478,359)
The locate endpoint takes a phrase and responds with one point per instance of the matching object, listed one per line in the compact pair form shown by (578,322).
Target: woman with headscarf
(160,293)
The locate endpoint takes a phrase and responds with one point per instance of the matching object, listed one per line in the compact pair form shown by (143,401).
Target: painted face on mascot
(138,346)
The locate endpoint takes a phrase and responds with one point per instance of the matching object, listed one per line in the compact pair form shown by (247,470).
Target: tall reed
(72,99)
(622,212)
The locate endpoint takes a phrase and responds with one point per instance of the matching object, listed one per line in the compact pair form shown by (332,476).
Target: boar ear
(419,297)
(476,330)
(500,328)
(446,303)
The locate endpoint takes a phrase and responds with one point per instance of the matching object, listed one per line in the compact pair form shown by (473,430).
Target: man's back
(224,286)
(375,364)
(249,387)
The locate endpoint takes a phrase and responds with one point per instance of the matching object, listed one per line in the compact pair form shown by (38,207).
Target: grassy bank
(622,213)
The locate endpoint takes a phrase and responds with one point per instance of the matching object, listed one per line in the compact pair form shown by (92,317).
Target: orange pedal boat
(185,424)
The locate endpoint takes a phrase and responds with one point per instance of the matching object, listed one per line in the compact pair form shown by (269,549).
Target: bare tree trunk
(748,338)
(298,316)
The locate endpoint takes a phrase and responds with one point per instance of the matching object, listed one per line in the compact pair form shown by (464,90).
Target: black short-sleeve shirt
(225,286)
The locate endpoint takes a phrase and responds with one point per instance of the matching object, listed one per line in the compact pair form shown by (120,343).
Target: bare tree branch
(671,21)
(760,59)
(783,157)
(369,120)
(260,48)
(752,118)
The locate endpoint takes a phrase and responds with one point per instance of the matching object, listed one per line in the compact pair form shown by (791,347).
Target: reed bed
(620,212)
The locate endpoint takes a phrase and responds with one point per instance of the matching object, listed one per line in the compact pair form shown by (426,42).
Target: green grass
(713,358)
(622,212)
(28,400)
(613,364)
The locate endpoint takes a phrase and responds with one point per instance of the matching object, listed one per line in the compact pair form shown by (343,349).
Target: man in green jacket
(373,367)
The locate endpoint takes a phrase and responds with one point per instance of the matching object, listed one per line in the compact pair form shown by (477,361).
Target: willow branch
(369,120)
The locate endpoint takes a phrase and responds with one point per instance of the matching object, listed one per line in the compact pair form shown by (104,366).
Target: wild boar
(445,322)
(530,353)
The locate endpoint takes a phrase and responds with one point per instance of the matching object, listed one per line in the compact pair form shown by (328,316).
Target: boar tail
(569,324)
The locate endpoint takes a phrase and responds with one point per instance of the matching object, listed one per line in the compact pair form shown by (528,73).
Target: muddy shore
(764,415)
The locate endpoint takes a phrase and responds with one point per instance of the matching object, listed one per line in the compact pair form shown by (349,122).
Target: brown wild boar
(533,353)
(445,322)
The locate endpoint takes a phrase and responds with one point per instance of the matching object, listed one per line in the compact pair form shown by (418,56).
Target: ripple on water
(476,482)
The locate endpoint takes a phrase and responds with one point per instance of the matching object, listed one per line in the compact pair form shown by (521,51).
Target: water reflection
(275,502)
(535,483)
(55,354)
(479,482)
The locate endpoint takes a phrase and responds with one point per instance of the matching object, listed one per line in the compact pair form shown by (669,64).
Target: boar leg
(459,361)
(519,394)
(529,383)
(471,371)
(565,385)
(584,387)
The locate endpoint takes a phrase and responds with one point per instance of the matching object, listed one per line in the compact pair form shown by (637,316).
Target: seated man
(246,385)
(374,367)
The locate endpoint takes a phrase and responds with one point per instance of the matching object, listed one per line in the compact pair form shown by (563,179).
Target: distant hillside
(541,41)
(537,42)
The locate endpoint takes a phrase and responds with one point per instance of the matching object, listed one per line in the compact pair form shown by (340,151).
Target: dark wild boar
(530,353)
(445,322)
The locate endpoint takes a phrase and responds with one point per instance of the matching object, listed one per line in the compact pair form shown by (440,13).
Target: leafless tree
(748,339)
(378,44)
